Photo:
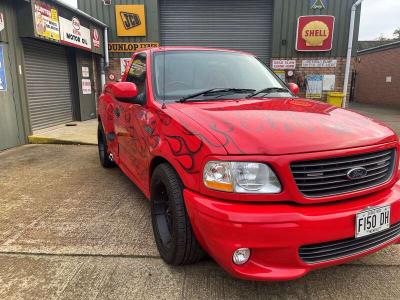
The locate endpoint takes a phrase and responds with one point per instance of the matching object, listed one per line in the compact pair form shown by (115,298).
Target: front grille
(348,247)
(326,177)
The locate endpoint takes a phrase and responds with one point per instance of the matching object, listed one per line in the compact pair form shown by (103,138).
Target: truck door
(133,150)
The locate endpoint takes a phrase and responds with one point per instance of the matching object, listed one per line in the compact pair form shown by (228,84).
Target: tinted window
(181,73)
(137,73)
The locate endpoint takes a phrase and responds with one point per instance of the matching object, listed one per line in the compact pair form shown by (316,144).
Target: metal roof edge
(381,47)
(81,13)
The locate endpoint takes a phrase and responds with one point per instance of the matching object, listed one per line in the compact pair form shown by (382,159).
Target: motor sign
(74,34)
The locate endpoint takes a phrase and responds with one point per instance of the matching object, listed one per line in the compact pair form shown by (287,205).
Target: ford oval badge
(357,173)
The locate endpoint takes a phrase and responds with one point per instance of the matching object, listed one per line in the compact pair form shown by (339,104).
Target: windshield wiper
(216,92)
(268,91)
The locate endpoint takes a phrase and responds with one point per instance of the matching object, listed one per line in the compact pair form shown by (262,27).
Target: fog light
(241,256)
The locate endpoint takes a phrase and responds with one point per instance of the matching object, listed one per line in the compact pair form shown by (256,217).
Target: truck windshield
(180,73)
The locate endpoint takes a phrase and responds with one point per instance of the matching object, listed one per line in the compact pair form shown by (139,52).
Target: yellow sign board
(129,47)
(46,22)
(130,20)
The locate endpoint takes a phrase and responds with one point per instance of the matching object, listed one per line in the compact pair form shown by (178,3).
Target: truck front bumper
(274,232)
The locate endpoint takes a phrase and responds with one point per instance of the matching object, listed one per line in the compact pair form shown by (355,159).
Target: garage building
(50,64)
(377,75)
(270,29)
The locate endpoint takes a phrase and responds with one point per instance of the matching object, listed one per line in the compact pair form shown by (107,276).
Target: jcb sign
(130,20)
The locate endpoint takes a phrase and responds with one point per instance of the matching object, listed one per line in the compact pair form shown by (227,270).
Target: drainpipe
(349,51)
(106,61)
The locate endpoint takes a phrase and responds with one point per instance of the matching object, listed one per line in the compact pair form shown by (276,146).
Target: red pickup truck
(235,165)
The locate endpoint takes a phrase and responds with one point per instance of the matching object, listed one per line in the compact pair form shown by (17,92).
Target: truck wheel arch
(157,160)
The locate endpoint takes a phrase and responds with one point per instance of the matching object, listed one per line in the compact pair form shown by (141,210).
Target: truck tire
(105,160)
(173,232)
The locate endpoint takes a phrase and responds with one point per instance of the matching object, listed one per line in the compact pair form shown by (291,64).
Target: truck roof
(195,48)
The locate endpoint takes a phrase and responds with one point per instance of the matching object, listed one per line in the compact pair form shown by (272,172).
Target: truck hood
(285,126)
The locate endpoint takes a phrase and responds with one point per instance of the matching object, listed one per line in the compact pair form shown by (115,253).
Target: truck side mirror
(126,92)
(294,88)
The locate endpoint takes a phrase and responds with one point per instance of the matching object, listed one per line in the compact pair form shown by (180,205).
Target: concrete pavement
(70,229)
(388,115)
(74,133)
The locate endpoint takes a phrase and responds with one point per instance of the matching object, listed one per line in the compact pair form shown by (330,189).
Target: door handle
(117,113)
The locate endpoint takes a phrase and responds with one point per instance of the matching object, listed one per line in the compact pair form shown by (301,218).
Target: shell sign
(315,33)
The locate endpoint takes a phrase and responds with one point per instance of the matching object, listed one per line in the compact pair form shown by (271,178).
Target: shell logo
(95,35)
(315,33)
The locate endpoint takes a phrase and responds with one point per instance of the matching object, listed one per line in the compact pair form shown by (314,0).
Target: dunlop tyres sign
(129,47)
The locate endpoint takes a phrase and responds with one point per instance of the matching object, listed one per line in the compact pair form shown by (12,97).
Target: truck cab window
(137,73)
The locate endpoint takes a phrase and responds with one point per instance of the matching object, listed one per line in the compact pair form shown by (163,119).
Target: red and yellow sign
(315,33)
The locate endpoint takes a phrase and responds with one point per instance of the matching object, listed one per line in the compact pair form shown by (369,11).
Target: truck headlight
(241,177)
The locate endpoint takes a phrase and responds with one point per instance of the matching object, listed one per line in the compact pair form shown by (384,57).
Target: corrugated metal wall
(48,84)
(286,13)
(232,24)
(285,16)
(106,14)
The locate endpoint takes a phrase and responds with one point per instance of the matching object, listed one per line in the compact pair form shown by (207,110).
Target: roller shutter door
(48,84)
(234,24)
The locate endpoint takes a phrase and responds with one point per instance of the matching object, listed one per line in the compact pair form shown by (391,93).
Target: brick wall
(372,69)
(114,68)
(301,72)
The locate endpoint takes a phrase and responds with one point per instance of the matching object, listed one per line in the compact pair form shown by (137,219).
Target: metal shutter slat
(234,24)
(48,84)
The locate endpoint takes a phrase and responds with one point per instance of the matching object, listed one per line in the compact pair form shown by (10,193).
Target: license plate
(372,220)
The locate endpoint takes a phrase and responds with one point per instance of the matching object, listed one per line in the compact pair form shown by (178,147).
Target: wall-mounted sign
(85,71)
(2,23)
(319,63)
(107,2)
(314,86)
(283,64)
(315,33)
(86,86)
(124,64)
(74,34)
(328,82)
(129,47)
(318,4)
(281,74)
(3,78)
(96,38)
(45,21)
(130,20)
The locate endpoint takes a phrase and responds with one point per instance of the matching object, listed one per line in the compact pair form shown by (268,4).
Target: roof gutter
(106,54)
(381,47)
(349,51)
